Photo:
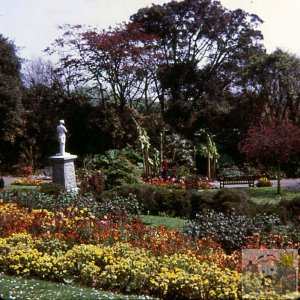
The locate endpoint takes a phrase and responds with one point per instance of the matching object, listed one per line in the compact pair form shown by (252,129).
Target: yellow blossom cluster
(120,267)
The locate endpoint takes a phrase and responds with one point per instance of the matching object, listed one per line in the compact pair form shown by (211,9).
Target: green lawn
(20,288)
(169,222)
(265,195)
(20,187)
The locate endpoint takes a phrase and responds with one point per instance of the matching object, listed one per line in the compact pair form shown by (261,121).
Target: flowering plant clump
(27,170)
(182,184)
(120,267)
(28,181)
(263,182)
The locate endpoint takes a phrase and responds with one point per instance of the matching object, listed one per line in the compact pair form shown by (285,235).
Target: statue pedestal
(63,171)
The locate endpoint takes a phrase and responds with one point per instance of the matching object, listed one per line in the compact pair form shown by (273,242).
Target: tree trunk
(208,165)
(278,180)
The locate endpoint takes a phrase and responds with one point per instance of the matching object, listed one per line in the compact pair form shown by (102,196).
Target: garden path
(292,183)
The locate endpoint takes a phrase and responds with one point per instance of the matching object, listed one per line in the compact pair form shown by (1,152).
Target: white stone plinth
(63,171)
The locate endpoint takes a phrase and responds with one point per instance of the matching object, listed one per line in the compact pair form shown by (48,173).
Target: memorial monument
(63,170)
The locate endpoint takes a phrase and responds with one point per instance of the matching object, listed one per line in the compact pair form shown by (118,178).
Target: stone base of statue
(63,171)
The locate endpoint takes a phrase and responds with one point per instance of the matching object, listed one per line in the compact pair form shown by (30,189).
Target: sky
(32,24)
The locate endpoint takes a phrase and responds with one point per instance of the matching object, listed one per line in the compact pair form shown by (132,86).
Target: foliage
(225,199)
(181,153)
(52,201)
(272,173)
(120,205)
(201,46)
(116,169)
(271,83)
(51,189)
(292,208)
(93,184)
(155,200)
(230,229)
(11,110)
(272,144)
(232,172)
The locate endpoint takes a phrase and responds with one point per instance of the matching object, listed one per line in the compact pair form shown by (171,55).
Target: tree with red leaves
(272,144)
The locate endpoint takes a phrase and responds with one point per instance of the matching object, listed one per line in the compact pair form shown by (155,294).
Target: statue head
(62,122)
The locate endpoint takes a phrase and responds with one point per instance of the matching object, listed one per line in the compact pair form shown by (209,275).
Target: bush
(93,184)
(116,169)
(229,229)
(272,173)
(225,199)
(156,200)
(183,203)
(51,188)
(199,202)
(119,205)
(232,172)
(36,200)
(291,209)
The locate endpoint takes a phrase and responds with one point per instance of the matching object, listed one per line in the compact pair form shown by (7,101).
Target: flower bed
(28,181)
(118,253)
(200,184)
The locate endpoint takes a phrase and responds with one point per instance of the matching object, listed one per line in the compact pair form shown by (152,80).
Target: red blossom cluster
(183,184)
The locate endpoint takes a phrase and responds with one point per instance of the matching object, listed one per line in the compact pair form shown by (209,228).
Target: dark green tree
(203,46)
(271,84)
(11,111)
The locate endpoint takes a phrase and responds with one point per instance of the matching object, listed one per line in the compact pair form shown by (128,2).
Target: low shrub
(156,201)
(225,199)
(51,188)
(231,172)
(229,229)
(116,169)
(35,199)
(119,205)
(183,203)
(291,209)
(94,184)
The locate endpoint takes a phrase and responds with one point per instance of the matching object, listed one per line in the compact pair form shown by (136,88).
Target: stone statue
(61,131)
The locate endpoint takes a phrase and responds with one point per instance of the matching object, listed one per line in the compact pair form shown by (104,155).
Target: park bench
(249,180)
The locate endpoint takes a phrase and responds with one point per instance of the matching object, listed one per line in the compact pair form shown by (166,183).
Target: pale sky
(32,24)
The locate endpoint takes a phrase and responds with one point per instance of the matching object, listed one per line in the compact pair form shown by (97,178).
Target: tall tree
(203,46)
(272,144)
(106,60)
(11,123)
(271,83)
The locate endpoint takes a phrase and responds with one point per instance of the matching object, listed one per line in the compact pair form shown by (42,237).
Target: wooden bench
(249,180)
